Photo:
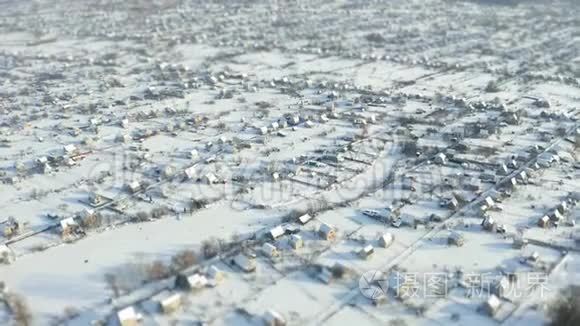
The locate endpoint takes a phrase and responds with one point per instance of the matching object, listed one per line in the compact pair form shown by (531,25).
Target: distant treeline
(516,2)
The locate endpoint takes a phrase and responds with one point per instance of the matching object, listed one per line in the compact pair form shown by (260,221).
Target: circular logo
(369,284)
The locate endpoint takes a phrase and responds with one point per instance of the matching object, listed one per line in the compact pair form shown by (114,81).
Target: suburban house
(128,317)
(168,303)
(245,263)
(194,281)
(327,232)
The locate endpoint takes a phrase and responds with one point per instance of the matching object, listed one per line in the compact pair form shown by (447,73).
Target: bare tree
(318,205)
(183,259)
(565,310)
(492,87)
(157,271)
(398,322)
(20,310)
(210,248)
(113,284)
